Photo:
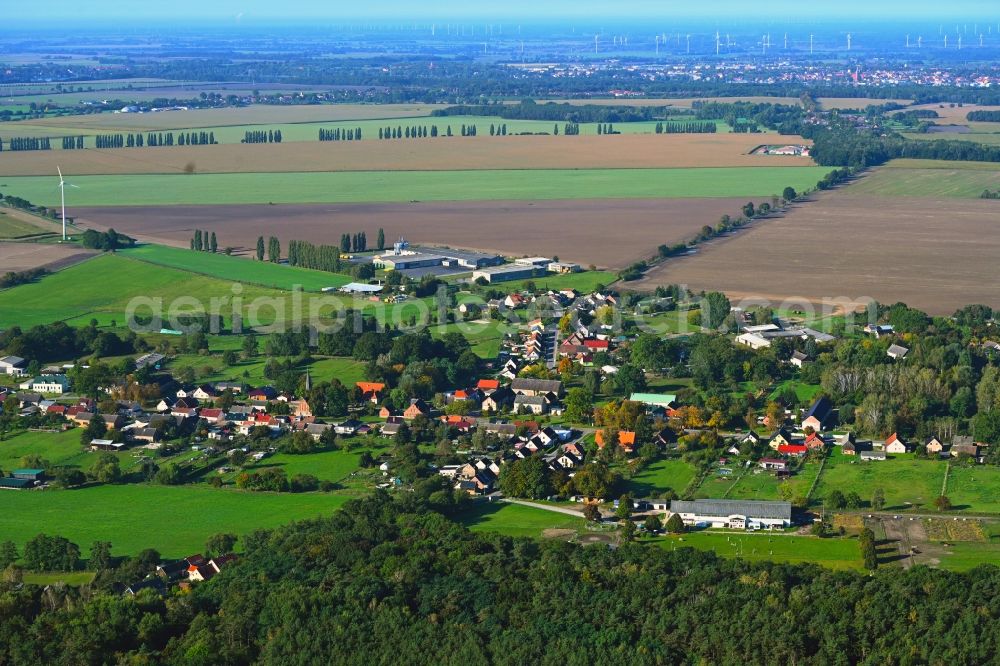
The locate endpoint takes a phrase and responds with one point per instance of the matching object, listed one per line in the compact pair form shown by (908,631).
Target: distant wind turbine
(62,193)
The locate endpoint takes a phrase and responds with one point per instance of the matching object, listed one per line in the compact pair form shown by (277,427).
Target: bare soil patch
(439,154)
(24,256)
(933,254)
(606,233)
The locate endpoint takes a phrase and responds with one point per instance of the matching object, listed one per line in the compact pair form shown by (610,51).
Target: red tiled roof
(792,448)
(488,384)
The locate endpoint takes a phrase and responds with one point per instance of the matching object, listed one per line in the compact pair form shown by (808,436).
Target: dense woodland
(384,581)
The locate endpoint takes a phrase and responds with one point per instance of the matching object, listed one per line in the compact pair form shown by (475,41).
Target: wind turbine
(62,193)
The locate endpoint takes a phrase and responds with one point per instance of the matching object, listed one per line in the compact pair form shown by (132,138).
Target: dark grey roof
(723,508)
(538,385)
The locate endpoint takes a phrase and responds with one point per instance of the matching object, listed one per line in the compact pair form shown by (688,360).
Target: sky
(523,10)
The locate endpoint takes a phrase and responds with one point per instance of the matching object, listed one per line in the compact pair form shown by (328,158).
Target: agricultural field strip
(515,184)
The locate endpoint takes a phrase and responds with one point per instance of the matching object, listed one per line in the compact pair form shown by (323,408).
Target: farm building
(360,288)
(654,399)
(734,514)
(507,273)
(12,365)
(57,384)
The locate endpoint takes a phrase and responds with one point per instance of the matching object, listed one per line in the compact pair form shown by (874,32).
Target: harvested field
(954,115)
(680,102)
(829,103)
(24,256)
(482,152)
(250,115)
(930,179)
(577,230)
(932,254)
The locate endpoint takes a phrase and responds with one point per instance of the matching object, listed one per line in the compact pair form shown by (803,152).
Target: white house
(58,384)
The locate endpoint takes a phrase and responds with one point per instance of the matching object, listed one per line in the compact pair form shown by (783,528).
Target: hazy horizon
(251,11)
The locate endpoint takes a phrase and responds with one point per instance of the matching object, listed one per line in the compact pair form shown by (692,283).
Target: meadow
(359,186)
(832,553)
(976,487)
(908,482)
(660,476)
(175,520)
(211,368)
(514,519)
(262,273)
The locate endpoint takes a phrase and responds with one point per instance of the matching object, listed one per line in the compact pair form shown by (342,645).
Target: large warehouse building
(734,514)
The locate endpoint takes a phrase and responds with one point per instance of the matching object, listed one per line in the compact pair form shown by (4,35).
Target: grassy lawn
(514,519)
(175,520)
(964,555)
(666,323)
(832,553)
(347,370)
(485,338)
(326,466)
(59,449)
(806,393)
(756,484)
(584,282)
(975,488)
(908,482)
(160,189)
(73,579)
(660,476)
(237,269)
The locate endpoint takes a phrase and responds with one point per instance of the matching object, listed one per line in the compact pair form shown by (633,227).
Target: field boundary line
(944,483)
(812,488)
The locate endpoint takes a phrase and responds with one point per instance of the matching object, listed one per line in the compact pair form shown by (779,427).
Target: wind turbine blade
(60,172)
(72,185)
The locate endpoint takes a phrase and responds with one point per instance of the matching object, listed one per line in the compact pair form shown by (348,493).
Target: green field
(403,186)
(73,579)
(832,553)
(103,287)
(174,520)
(347,370)
(658,477)
(930,179)
(514,519)
(584,282)
(976,487)
(908,482)
(60,449)
(263,273)
(485,338)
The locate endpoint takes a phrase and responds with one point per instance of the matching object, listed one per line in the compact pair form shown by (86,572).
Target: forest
(394,580)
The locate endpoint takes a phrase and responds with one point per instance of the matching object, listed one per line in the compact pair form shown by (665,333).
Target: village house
(780,438)
(934,445)
(871,455)
(626,440)
(773,464)
(525,386)
(893,444)
(794,450)
(417,408)
(897,352)
(499,400)
(819,416)
(798,359)
(371,391)
(534,404)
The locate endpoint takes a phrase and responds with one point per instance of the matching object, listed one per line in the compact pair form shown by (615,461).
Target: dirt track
(936,255)
(606,233)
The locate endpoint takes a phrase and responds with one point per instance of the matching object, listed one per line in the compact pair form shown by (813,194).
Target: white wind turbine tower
(62,194)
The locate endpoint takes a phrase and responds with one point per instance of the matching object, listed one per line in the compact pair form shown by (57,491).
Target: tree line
(320,586)
(530,110)
(28,143)
(983,116)
(686,128)
(273,249)
(339,134)
(72,143)
(203,242)
(262,136)
(16,278)
(317,257)
(108,241)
